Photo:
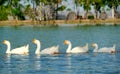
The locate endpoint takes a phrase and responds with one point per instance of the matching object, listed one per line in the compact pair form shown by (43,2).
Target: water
(85,63)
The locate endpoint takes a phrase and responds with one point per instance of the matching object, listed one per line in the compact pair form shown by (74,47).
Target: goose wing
(50,50)
(20,50)
(77,50)
(105,49)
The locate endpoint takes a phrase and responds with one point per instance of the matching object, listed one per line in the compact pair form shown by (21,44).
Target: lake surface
(84,63)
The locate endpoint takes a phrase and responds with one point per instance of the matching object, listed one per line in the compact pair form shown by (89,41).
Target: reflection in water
(15,64)
(69,60)
(69,63)
(8,57)
(37,62)
(8,63)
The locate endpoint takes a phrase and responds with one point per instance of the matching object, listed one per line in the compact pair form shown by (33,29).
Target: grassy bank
(61,22)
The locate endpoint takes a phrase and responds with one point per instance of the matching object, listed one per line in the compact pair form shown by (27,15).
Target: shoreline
(61,22)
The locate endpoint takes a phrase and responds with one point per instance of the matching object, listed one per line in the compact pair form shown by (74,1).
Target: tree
(86,5)
(14,8)
(97,6)
(2,2)
(3,13)
(56,6)
(4,10)
(113,4)
(77,3)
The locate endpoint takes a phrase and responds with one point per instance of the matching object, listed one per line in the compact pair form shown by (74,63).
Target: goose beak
(34,40)
(65,42)
(92,45)
(4,42)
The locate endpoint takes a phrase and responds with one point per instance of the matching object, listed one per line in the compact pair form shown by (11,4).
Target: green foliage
(61,8)
(90,17)
(85,3)
(113,3)
(3,13)
(49,1)
(69,9)
(80,17)
(17,12)
(2,2)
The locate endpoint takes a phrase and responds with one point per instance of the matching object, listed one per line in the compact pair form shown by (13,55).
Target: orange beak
(33,40)
(4,42)
(92,44)
(65,42)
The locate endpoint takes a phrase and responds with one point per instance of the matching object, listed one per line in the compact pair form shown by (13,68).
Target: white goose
(104,49)
(20,50)
(78,49)
(50,50)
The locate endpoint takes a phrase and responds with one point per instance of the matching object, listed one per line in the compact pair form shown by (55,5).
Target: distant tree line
(98,4)
(48,9)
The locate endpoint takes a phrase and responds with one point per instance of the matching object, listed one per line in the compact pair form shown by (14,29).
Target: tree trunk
(86,14)
(33,10)
(113,13)
(97,14)
(40,11)
(56,12)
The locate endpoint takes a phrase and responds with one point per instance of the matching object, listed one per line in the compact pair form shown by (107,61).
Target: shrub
(3,13)
(80,17)
(90,17)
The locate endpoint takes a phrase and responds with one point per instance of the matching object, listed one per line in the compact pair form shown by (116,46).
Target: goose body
(78,49)
(49,50)
(104,49)
(19,50)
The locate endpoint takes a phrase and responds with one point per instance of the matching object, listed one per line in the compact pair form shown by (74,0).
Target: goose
(77,49)
(49,50)
(19,50)
(104,49)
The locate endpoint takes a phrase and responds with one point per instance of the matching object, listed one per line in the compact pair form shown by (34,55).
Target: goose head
(6,42)
(35,41)
(66,42)
(94,45)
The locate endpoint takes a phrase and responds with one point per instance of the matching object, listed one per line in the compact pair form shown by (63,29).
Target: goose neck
(96,48)
(69,48)
(8,47)
(38,47)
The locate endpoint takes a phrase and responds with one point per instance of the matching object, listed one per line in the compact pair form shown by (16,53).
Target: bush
(80,17)
(3,13)
(91,17)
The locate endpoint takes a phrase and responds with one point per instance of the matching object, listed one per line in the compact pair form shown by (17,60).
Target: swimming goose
(50,50)
(19,50)
(77,49)
(104,49)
